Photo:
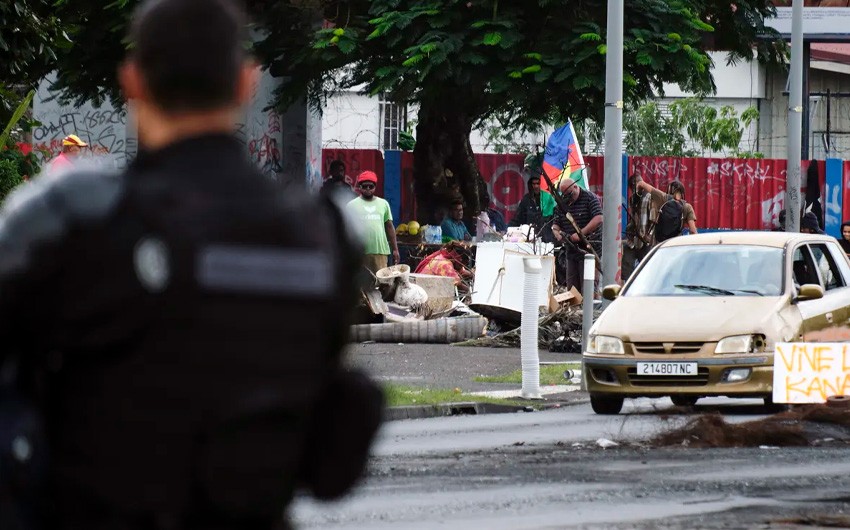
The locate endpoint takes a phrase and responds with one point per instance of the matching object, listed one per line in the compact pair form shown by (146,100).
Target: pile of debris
(558,331)
(407,307)
(805,425)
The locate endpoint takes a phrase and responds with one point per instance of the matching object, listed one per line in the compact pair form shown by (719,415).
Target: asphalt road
(546,470)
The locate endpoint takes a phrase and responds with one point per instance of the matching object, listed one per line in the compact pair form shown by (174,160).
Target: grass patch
(550,374)
(400,395)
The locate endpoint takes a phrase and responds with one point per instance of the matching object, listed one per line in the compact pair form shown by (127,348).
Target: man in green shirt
(376,223)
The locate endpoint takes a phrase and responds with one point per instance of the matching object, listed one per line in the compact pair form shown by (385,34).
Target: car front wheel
(608,405)
(773,408)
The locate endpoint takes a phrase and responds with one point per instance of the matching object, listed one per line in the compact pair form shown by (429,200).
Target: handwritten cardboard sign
(810,372)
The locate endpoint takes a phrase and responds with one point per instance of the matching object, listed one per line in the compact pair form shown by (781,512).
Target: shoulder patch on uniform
(265,270)
(152,264)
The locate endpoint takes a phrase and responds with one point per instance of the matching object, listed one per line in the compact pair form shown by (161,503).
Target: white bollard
(587,308)
(529,328)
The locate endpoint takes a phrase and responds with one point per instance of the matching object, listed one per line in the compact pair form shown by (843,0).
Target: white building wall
(744,80)
(351,120)
(774,133)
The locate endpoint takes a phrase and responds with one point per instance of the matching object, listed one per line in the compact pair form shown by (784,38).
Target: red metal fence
(726,193)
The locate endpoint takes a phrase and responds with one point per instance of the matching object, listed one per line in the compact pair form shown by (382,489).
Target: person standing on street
(335,185)
(845,237)
(536,208)
(641,221)
(587,214)
(674,212)
(376,221)
(72,145)
(177,327)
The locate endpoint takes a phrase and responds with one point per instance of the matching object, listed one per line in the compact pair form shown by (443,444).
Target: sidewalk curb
(412,412)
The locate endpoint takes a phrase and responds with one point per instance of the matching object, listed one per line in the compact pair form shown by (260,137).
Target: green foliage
(31,38)
(406,141)
(525,60)
(96,32)
(692,128)
(10,176)
(550,374)
(713,130)
(15,166)
(17,114)
(648,132)
(400,395)
(520,59)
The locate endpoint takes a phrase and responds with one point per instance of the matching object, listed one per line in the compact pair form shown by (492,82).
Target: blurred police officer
(178,325)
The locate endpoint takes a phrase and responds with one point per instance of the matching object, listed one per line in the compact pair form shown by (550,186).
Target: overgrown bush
(15,165)
(10,177)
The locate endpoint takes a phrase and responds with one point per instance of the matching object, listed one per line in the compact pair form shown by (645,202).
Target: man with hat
(71,146)
(376,221)
(809,224)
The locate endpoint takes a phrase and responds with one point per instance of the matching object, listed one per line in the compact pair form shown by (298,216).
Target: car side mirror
(610,292)
(810,291)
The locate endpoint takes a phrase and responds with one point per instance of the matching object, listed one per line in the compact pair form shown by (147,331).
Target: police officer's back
(182,322)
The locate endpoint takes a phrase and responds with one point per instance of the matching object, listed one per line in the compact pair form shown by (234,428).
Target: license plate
(666,368)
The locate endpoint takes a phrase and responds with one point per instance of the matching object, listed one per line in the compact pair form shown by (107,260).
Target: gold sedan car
(702,313)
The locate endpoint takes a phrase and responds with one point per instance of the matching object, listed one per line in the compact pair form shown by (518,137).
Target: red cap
(367,176)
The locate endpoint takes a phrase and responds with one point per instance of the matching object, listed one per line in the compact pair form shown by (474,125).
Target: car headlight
(740,344)
(605,344)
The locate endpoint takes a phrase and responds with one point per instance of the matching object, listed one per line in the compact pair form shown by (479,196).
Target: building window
(391,123)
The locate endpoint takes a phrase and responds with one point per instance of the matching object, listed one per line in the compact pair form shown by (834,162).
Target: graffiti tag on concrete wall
(103,127)
(261,130)
(106,131)
(261,134)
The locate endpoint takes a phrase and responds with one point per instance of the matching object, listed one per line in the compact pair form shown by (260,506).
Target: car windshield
(710,270)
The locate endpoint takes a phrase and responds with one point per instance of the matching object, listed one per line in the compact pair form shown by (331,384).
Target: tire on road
(684,401)
(606,404)
(772,407)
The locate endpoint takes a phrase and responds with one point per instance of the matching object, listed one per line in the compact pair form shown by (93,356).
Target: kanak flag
(562,158)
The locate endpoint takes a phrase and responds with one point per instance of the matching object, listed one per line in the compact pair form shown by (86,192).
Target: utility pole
(613,190)
(795,121)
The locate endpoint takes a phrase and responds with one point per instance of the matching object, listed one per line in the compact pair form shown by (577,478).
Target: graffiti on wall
(261,129)
(110,138)
(264,144)
(313,166)
(725,193)
(103,127)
